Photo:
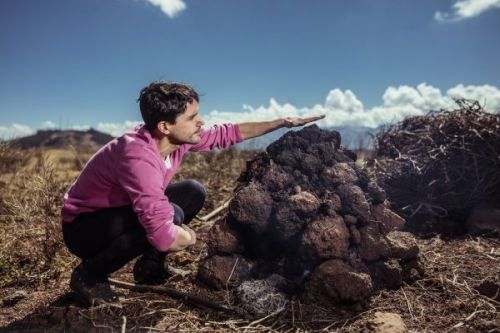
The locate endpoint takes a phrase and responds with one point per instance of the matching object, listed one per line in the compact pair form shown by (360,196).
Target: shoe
(151,269)
(93,290)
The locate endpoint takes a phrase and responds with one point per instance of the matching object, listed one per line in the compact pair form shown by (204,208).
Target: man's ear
(163,127)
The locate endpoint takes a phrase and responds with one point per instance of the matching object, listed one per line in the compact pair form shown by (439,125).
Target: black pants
(109,238)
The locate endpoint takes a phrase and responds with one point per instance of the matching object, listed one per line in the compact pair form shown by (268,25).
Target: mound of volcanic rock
(306,212)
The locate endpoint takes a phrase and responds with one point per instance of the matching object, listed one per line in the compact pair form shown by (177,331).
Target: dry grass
(32,245)
(33,258)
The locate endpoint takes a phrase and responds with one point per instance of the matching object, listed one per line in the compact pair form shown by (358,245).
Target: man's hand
(294,122)
(252,130)
(191,233)
(185,237)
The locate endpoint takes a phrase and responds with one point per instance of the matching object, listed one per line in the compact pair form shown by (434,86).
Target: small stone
(178,271)
(387,322)
(403,245)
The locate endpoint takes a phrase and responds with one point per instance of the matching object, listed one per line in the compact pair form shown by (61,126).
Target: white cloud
(345,101)
(486,95)
(117,129)
(170,7)
(47,124)
(15,131)
(463,9)
(343,108)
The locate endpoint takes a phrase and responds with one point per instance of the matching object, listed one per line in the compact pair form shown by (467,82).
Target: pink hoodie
(130,170)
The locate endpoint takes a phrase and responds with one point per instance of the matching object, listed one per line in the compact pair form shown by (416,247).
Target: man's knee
(196,189)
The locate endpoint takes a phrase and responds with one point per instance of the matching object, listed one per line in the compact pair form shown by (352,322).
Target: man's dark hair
(164,101)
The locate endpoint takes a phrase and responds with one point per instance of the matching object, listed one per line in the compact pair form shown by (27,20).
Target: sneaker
(151,269)
(91,289)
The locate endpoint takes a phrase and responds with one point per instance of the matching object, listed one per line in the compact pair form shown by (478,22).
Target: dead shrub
(32,240)
(442,164)
(11,158)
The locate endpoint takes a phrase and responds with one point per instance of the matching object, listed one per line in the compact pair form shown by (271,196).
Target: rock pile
(305,211)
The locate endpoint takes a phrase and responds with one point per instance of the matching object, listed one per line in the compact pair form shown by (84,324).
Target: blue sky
(81,63)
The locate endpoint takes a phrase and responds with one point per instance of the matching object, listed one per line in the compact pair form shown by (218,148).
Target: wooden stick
(215,211)
(189,298)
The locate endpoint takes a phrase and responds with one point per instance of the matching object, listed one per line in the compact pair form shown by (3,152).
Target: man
(122,206)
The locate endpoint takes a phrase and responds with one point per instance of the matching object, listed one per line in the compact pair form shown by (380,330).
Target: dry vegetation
(35,267)
(442,164)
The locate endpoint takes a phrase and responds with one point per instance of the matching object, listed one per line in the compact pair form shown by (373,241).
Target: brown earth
(445,298)
(456,294)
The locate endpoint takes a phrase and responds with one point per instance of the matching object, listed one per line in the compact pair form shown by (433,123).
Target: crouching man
(123,206)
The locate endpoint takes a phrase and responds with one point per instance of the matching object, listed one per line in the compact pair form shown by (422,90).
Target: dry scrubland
(35,267)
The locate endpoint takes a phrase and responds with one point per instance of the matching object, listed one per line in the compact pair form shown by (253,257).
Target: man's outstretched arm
(254,129)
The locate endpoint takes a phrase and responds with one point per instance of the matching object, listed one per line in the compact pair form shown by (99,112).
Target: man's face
(187,126)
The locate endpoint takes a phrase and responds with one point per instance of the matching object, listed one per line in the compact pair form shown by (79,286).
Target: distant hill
(90,139)
(352,137)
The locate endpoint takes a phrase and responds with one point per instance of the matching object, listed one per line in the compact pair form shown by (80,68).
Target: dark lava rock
(342,173)
(221,272)
(350,219)
(386,274)
(326,239)
(331,204)
(376,193)
(413,270)
(267,172)
(355,234)
(339,282)
(252,207)
(387,219)
(373,246)
(304,203)
(223,239)
(354,201)
(294,213)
